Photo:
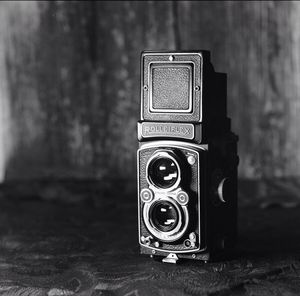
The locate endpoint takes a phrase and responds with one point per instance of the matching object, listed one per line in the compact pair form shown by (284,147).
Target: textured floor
(61,248)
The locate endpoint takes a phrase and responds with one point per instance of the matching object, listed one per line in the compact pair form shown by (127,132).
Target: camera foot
(171,258)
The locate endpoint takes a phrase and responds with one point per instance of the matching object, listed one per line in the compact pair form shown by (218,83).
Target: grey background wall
(69,81)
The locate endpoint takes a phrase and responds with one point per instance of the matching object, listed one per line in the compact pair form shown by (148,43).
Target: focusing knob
(220,190)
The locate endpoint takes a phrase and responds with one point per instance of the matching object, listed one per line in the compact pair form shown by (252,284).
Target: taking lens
(164,216)
(163,172)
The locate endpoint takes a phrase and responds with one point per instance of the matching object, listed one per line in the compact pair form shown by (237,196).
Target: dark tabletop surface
(54,247)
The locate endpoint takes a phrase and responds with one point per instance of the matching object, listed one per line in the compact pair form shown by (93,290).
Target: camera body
(187,158)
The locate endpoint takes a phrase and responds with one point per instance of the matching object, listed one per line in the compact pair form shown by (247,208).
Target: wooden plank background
(69,81)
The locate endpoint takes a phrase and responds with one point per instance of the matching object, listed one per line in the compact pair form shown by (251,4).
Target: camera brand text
(180,130)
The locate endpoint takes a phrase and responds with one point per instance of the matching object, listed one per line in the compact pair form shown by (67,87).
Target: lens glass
(163,172)
(164,216)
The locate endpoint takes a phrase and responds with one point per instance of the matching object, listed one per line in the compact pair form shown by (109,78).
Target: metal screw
(171,58)
(187,243)
(191,160)
(145,87)
(197,88)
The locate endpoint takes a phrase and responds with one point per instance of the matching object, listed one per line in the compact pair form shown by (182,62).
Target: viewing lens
(164,216)
(163,172)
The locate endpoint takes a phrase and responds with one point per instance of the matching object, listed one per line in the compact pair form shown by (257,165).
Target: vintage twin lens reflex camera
(187,159)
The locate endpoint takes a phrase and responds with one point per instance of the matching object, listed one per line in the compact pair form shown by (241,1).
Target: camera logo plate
(174,130)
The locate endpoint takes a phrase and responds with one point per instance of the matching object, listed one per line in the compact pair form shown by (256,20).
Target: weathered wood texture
(50,248)
(257,43)
(69,81)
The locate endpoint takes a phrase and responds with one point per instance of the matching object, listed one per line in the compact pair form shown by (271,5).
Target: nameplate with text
(174,130)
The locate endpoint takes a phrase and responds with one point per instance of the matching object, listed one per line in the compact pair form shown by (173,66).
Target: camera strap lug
(171,258)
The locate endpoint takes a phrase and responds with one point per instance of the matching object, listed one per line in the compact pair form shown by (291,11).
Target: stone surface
(58,248)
